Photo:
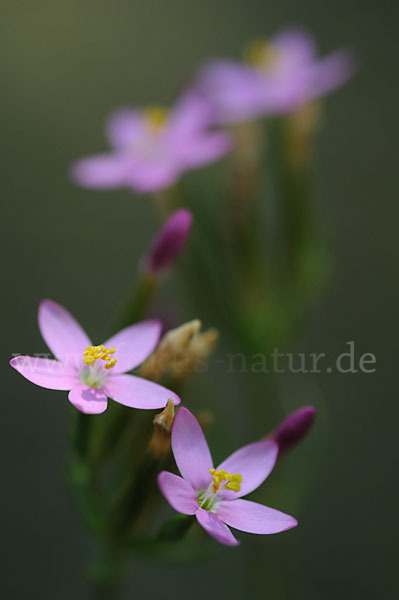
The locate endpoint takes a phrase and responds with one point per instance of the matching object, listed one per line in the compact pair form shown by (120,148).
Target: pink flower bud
(293,428)
(168,243)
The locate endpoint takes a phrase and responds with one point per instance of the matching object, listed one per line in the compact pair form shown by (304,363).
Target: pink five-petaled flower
(279,77)
(152,148)
(214,495)
(93,373)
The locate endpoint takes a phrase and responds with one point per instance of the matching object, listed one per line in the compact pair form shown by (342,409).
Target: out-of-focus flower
(279,77)
(94,373)
(214,495)
(168,243)
(152,148)
(293,428)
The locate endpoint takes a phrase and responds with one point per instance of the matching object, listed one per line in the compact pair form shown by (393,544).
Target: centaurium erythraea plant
(152,148)
(279,77)
(214,495)
(94,373)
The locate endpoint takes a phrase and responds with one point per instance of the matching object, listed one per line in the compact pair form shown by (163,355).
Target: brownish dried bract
(198,352)
(160,442)
(181,352)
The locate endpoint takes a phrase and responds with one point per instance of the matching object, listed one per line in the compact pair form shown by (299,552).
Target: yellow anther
(156,116)
(93,353)
(112,362)
(232,481)
(236,478)
(261,54)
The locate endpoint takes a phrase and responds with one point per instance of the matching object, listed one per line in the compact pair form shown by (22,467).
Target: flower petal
(90,401)
(203,149)
(254,462)
(178,492)
(104,171)
(133,344)
(62,333)
(216,528)
(45,372)
(137,393)
(253,517)
(232,88)
(190,450)
(331,72)
(191,115)
(124,128)
(295,45)
(156,173)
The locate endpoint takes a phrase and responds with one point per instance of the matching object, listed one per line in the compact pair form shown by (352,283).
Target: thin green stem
(81,434)
(135,494)
(176,528)
(140,301)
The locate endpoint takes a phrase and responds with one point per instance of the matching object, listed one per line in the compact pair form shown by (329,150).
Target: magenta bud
(293,428)
(168,243)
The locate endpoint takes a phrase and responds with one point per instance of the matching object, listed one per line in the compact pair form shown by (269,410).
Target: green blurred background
(64,66)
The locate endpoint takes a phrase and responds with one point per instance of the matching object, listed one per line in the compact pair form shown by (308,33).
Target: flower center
(209,499)
(231,481)
(93,353)
(262,55)
(156,117)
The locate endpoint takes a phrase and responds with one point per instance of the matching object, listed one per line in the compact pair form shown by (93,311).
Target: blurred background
(64,67)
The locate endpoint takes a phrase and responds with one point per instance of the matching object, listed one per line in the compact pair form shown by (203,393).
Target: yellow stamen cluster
(261,54)
(93,353)
(233,481)
(157,116)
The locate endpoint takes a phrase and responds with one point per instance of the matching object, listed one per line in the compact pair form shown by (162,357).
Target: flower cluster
(213,495)
(152,148)
(136,367)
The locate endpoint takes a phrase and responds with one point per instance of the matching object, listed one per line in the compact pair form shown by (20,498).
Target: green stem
(136,309)
(132,500)
(243,220)
(140,301)
(81,434)
(106,575)
(176,528)
(166,201)
(292,189)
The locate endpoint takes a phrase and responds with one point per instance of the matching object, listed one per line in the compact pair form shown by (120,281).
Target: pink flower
(168,243)
(93,373)
(152,148)
(214,495)
(279,77)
